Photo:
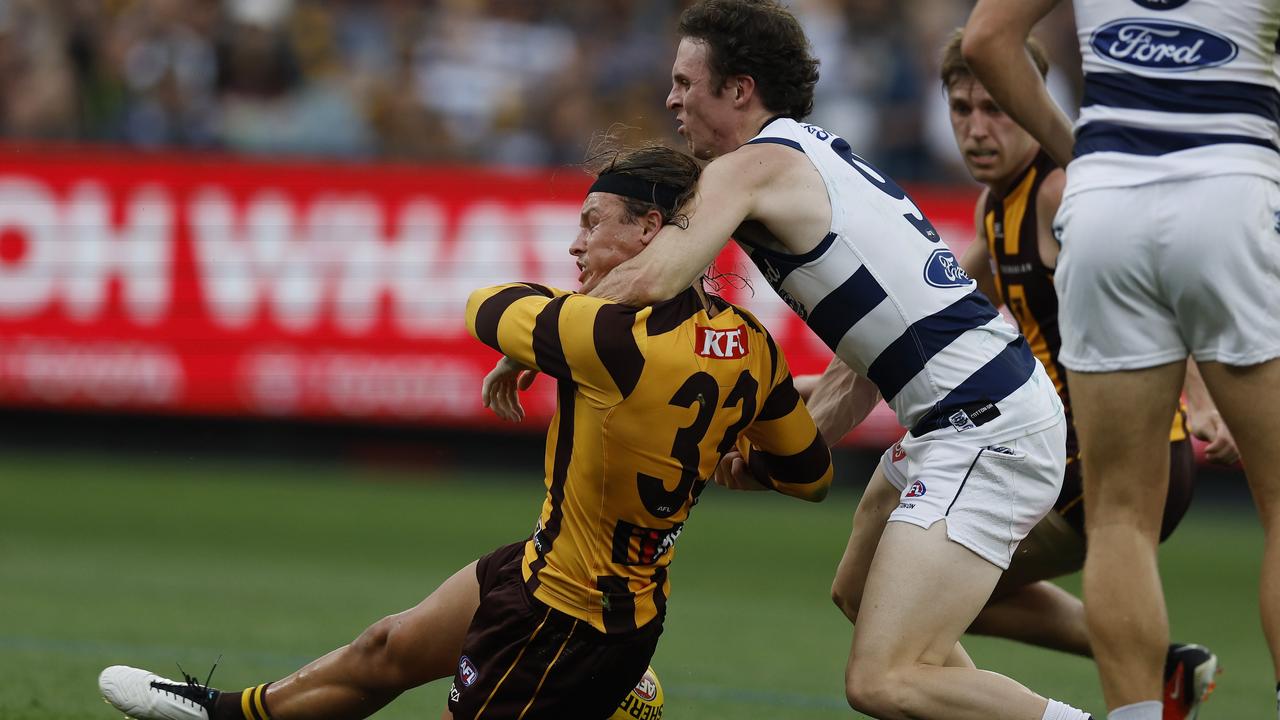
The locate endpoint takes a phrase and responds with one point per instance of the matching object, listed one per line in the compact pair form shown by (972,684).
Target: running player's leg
(395,654)
(1123,422)
(877,502)
(1249,400)
(922,592)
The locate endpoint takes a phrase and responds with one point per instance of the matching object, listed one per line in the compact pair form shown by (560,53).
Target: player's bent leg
(1249,401)
(395,654)
(877,502)
(1122,419)
(922,592)
(1025,608)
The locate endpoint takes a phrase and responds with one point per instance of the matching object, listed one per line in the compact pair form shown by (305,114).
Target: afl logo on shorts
(916,490)
(467,672)
(943,270)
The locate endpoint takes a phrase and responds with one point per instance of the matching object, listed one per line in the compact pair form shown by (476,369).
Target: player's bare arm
(993,48)
(976,260)
(768,184)
(1204,421)
(839,399)
(1048,199)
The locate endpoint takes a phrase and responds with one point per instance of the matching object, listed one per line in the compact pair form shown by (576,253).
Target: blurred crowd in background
(511,83)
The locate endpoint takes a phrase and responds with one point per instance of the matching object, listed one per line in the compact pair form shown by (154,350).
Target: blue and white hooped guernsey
(1176,89)
(887,295)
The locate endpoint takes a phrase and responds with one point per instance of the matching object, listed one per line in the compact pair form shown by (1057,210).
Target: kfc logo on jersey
(722,344)
(898,452)
(467,672)
(916,490)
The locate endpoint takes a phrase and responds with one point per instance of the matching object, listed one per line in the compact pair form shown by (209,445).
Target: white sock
(1063,711)
(1149,710)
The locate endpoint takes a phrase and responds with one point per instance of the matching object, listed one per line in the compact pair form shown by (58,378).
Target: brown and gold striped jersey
(648,401)
(1026,283)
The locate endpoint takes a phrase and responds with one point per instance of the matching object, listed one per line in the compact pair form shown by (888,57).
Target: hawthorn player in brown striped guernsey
(563,623)
(1013,260)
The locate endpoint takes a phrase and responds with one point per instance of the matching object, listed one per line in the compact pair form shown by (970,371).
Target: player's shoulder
(754,164)
(1049,193)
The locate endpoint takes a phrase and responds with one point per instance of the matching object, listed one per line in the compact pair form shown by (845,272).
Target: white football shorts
(992,483)
(1152,273)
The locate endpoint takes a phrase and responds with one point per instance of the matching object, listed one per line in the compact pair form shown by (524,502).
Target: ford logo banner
(1161,45)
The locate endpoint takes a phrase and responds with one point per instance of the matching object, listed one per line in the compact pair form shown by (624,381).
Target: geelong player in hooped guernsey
(852,254)
(1169,230)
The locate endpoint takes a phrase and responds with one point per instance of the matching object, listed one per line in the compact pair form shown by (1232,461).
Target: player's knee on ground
(385,651)
(875,690)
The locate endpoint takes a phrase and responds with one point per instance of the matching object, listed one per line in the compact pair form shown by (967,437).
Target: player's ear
(742,87)
(650,224)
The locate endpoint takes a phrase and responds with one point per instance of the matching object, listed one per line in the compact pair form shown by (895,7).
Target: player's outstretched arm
(724,197)
(839,399)
(994,48)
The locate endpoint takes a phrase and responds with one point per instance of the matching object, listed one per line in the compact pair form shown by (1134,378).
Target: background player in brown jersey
(1013,260)
(563,624)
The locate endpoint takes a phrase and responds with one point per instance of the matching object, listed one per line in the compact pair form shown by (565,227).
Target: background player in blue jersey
(1168,249)
(850,252)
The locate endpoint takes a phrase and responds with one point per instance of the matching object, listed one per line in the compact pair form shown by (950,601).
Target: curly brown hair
(760,38)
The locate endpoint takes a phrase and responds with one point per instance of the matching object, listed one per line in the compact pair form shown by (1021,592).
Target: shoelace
(200,696)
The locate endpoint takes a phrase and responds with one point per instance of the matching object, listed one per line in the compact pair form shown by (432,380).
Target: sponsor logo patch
(647,688)
(454,695)
(1161,45)
(917,489)
(898,452)
(722,344)
(467,672)
(960,421)
(1001,449)
(943,270)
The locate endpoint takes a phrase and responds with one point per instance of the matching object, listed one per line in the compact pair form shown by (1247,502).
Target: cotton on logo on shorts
(916,489)
(467,672)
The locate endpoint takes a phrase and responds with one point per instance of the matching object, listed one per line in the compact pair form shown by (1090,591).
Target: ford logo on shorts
(943,270)
(1161,45)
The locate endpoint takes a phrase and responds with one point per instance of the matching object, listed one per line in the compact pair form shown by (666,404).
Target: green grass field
(107,559)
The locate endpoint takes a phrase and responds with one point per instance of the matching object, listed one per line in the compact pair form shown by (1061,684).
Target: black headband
(660,194)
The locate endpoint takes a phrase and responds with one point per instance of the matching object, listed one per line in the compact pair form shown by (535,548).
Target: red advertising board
(211,285)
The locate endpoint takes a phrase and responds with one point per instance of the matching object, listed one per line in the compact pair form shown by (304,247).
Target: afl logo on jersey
(1161,4)
(1161,45)
(943,270)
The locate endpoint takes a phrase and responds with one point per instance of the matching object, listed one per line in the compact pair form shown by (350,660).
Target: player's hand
(1211,428)
(733,473)
(805,384)
(500,391)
